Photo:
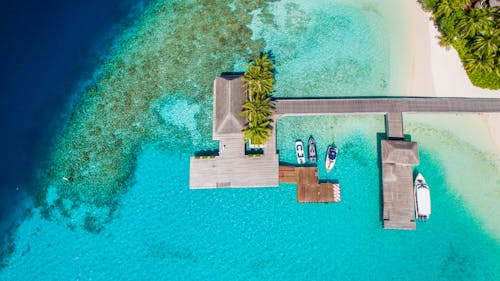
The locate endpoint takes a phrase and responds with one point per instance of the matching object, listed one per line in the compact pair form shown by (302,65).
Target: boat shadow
(306,165)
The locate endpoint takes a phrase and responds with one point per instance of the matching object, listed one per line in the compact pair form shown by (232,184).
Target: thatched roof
(400,152)
(229,96)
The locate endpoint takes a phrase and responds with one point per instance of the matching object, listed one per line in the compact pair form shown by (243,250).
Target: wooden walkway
(309,190)
(326,106)
(232,168)
(393,108)
(394,125)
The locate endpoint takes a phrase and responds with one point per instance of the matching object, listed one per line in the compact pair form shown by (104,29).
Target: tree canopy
(258,82)
(475,33)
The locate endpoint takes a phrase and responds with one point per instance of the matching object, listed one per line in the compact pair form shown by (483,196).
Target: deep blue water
(161,228)
(48,49)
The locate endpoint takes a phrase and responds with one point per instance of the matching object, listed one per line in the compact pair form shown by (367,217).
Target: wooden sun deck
(309,190)
(237,171)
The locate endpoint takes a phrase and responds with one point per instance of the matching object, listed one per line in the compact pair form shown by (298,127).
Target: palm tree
(258,134)
(474,63)
(486,44)
(460,4)
(447,39)
(475,21)
(264,63)
(445,8)
(257,111)
(257,81)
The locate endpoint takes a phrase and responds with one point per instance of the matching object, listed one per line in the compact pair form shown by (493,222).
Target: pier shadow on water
(204,153)
(306,165)
(333,181)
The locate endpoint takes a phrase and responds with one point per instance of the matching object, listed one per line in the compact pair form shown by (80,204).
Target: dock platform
(309,190)
(398,159)
(235,167)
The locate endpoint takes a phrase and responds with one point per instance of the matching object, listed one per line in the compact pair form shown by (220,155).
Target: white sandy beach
(436,71)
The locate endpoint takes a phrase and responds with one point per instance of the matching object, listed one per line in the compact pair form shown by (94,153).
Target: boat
(422,198)
(311,149)
(331,157)
(299,150)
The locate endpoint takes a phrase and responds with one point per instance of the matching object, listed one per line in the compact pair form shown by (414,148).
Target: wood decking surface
(322,106)
(398,159)
(240,171)
(394,125)
(309,190)
(232,168)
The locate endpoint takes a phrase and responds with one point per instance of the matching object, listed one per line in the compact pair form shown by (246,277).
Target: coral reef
(175,49)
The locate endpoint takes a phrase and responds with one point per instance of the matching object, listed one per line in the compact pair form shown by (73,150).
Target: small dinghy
(312,150)
(331,157)
(422,198)
(299,150)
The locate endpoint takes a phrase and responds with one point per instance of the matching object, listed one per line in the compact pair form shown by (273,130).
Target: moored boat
(422,198)
(299,151)
(311,149)
(331,157)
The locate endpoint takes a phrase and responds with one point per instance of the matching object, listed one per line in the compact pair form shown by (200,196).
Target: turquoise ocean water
(161,230)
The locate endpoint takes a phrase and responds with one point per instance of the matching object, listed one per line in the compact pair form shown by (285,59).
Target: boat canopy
(423,201)
(332,153)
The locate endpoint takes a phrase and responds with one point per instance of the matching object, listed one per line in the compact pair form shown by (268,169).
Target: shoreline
(435,71)
(439,72)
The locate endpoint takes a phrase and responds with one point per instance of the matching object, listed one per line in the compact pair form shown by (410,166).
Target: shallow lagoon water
(161,229)
(332,48)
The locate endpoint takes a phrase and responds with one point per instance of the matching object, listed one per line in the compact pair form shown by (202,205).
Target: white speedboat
(311,148)
(299,150)
(422,198)
(331,157)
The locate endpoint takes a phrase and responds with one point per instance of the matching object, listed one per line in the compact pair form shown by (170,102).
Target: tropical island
(115,200)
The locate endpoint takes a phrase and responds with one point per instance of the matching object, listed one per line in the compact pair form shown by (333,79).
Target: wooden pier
(232,168)
(309,190)
(328,106)
(394,125)
(398,159)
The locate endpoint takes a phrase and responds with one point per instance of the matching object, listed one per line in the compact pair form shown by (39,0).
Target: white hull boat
(299,151)
(422,198)
(331,157)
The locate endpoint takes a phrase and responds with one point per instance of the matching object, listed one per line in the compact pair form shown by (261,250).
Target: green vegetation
(258,111)
(474,33)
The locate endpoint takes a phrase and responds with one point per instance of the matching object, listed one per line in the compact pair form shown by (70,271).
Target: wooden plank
(238,171)
(309,190)
(394,125)
(397,181)
(383,105)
